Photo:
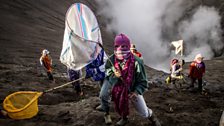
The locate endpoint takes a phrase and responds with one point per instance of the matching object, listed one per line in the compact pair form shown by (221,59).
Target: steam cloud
(153,24)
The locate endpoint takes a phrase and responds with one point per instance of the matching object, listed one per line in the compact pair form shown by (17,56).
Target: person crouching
(127,76)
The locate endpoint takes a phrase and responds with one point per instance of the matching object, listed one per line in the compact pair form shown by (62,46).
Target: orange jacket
(197,70)
(46,60)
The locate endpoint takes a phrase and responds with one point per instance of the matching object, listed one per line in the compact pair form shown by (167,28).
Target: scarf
(120,89)
(121,55)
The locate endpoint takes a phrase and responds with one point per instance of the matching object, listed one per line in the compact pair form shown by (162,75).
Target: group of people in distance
(123,80)
(196,71)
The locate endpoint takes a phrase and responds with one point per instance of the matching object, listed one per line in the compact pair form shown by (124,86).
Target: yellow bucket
(22,104)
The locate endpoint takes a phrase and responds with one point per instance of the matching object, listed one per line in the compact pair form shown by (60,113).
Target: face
(121,47)
(199,59)
(122,43)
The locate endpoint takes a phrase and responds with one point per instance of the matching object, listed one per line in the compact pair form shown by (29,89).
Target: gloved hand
(133,96)
(117,73)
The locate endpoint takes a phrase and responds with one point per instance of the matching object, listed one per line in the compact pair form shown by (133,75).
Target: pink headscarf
(122,46)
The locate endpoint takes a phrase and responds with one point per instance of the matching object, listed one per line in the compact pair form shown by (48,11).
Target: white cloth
(175,72)
(82,37)
(41,62)
(45,52)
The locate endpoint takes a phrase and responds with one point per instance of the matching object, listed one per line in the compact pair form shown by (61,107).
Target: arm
(41,63)
(203,70)
(110,76)
(172,69)
(141,83)
(191,69)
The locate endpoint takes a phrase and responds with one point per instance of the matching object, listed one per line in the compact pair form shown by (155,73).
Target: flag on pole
(96,69)
(82,37)
(178,46)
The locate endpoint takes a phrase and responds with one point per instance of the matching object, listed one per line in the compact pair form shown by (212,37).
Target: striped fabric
(82,37)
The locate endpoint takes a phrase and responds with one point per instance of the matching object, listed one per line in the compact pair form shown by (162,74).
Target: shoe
(122,122)
(99,108)
(79,93)
(107,119)
(154,120)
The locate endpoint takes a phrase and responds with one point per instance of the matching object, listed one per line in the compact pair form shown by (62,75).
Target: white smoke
(153,24)
(202,33)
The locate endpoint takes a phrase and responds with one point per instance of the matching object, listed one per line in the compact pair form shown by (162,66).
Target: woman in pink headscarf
(126,73)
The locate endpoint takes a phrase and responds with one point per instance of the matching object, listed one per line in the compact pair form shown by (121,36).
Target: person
(196,71)
(176,69)
(126,74)
(105,99)
(46,61)
(96,70)
(74,75)
(135,52)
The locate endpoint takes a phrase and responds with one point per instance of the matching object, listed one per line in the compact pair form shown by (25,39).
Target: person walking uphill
(74,75)
(135,52)
(197,70)
(46,61)
(128,79)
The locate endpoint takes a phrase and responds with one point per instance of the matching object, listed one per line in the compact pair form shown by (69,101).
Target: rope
(51,89)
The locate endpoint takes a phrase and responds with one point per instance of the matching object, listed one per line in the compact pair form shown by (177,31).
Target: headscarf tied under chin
(122,47)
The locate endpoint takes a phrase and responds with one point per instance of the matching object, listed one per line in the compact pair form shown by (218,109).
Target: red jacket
(197,70)
(138,54)
(46,60)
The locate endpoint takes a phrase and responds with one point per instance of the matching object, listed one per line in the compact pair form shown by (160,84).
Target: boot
(122,122)
(154,120)
(107,119)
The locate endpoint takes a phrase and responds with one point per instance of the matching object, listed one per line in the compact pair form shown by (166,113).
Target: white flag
(178,46)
